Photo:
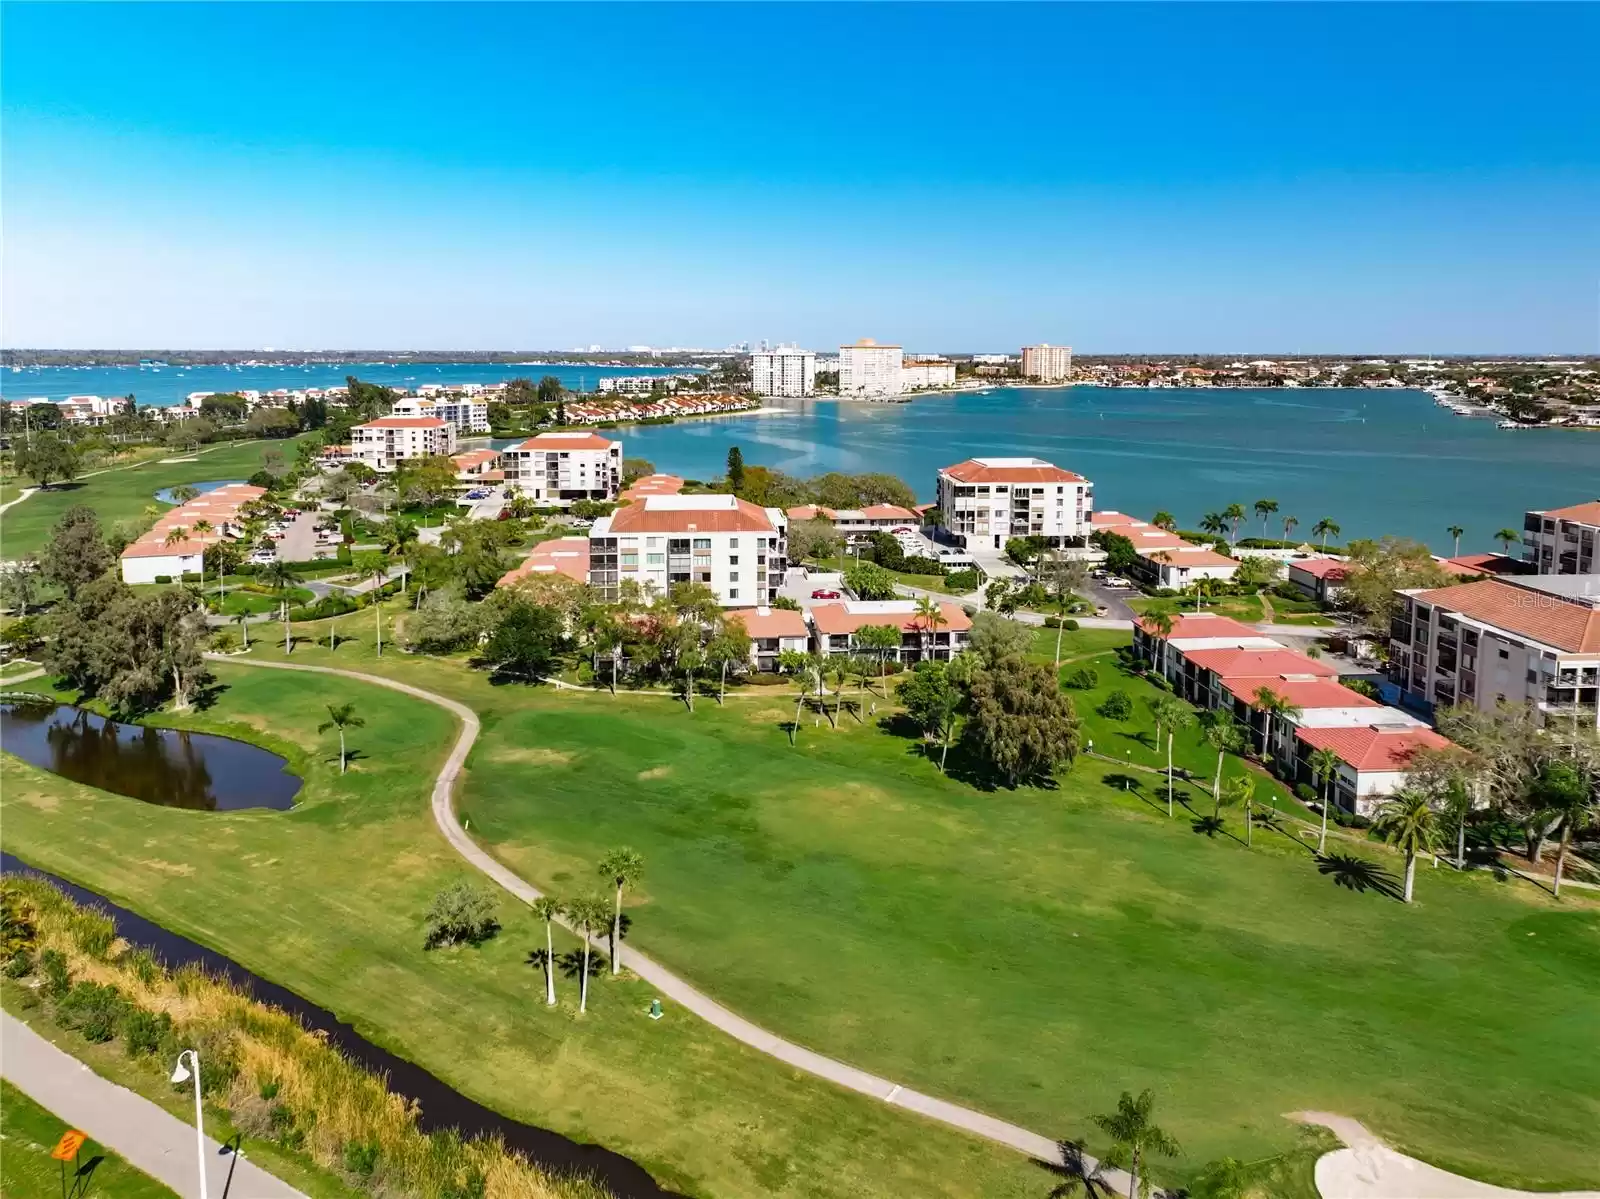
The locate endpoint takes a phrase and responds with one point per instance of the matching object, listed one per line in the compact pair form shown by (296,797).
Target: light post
(183,1074)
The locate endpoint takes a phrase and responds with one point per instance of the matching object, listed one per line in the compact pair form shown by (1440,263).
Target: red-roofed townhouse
(837,624)
(772,631)
(153,557)
(653,485)
(736,548)
(874,518)
(475,465)
(984,502)
(567,556)
(559,469)
(1373,759)
(1320,579)
(1191,631)
(386,442)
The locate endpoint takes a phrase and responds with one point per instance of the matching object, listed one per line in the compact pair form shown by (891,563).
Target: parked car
(825,593)
(263,557)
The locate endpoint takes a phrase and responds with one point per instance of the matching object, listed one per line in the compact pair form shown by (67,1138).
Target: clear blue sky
(1125,178)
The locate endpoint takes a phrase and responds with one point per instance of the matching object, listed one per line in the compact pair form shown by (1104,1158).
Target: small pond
(165,494)
(172,767)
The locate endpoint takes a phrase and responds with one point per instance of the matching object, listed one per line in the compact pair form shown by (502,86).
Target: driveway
(300,543)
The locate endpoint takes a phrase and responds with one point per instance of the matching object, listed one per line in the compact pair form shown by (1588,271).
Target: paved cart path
(151,1138)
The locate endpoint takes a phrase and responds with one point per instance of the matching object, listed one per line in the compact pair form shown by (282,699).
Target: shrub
(1305,793)
(360,1160)
(787,604)
(460,913)
(163,578)
(1349,819)
(1085,678)
(962,580)
(93,932)
(1116,706)
(144,1032)
(1361,687)
(1056,622)
(53,969)
(19,965)
(191,576)
(922,566)
(245,569)
(94,1009)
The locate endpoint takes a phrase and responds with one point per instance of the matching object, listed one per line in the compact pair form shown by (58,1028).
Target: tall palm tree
(1077,1177)
(1325,528)
(587,914)
(1165,520)
(1171,713)
(1159,625)
(280,576)
(931,616)
(1233,514)
(200,528)
(400,537)
(1290,524)
(1271,705)
(1214,523)
(1324,769)
(1506,537)
(1455,532)
(243,621)
(1241,789)
(548,908)
(373,566)
(623,867)
(882,640)
(341,717)
(1264,509)
(1407,821)
(1134,1137)
(1578,809)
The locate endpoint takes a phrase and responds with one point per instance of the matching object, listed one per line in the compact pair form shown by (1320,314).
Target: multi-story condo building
(1047,363)
(985,501)
(732,546)
(934,372)
(1533,639)
(785,371)
(1563,541)
(390,440)
(466,416)
(870,371)
(560,468)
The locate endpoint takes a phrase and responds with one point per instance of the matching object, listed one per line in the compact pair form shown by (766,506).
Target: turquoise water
(161,387)
(1375,462)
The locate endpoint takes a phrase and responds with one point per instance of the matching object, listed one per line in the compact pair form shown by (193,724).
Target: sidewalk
(158,1143)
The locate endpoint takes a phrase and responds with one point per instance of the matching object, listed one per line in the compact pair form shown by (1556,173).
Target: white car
(263,557)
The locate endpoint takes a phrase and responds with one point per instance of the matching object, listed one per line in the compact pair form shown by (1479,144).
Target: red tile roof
(1302,693)
(812,512)
(1188,625)
(404,422)
(771,622)
(653,485)
(1250,663)
(1584,514)
(719,514)
(471,458)
(973,471)
(566,441)
(1550,619)
(1477,565)
(889,512)
(562,555)
(1372,747)
(840,618)
(1331,569)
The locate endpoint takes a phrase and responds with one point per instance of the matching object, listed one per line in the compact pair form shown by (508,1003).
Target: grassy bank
(124,494)
(328,899)
(27,1171)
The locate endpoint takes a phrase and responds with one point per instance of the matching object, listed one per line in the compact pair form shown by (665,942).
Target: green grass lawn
(328,899)
(27,1171)
(1031,953)
(926,582)
(123,495)
(1244,608)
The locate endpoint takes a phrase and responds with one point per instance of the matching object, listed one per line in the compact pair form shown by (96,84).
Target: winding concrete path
(150,1137)
(675,988)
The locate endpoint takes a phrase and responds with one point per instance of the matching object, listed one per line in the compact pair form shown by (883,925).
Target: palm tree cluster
(586,916)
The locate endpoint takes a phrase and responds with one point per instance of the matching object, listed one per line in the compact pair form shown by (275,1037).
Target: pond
(165,494)
(171,767)
(439,1105)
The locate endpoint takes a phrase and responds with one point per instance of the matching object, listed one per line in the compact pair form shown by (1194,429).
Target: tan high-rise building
(1047,363)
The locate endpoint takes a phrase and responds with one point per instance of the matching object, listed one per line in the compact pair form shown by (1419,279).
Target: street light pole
(182,1074)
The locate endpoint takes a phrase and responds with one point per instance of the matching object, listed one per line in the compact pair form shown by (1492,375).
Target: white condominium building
(985,501)
(1563,541)
(785,371)
(870,371)
(935,373)
(1047,363)
(466,416)
(386,442)
(558,468)
(731,545)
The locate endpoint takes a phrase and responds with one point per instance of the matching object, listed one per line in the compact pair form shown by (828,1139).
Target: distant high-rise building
(869,370)
(1047,363)
(785,371)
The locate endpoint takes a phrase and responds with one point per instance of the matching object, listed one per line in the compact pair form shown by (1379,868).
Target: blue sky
(1125,178)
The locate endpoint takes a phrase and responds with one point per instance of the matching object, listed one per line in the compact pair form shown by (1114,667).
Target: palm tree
(243,621)
(1240,789)
(1506,537)
(1214,523)
(201,528)
(622,866)
(841,676)
(882,640)
(931,615)
(373,565)
(1290,524)
(1271,705)
(1171,713)
(793,662)
(1075,1173)
(280,577)
(1159,626)
(548,908)
(341,717)
(1233,514)
(1325,528)
(1264,509)
(399,537)
(1165,520)
(1134,1136)
(1577,809)
(1324,769)
(587,914)
(1455,532)
(1407,821)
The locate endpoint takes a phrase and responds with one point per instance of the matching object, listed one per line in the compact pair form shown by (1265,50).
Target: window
(733,559)
(1502,653)
(655,559)
(733,543)
(702,543)
(733,576)
(733,593)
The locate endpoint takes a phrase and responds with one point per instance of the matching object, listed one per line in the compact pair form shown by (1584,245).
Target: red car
(823,594)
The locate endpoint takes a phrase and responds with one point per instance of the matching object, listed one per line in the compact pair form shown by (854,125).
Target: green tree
(526,640)
(995,638)
(1171,714)
(1020,723)
(400,539)
(634,469)
(1240,790)
(1214,523)
(1165,520)
(1272,706)
(880,641)
(341,717)
(552,394)
(1134,1137)
(1324,769)
(77,553)
(1264,509)
(1065,578)
(374,567)
(1507,538)
(1408,821)
(460,914)
(1454,532)
(45,458)
(624,868)
(1325,528)
(280,576)
(548,909)
(728,649)
(931,696)
(20,586)
(1116,706)
(869,581)
(1225,1178)
(1158,625)
(735,470)
(1290,524)
(1233,514)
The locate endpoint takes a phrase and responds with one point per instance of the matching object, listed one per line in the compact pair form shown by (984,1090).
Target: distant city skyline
(1266,179)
